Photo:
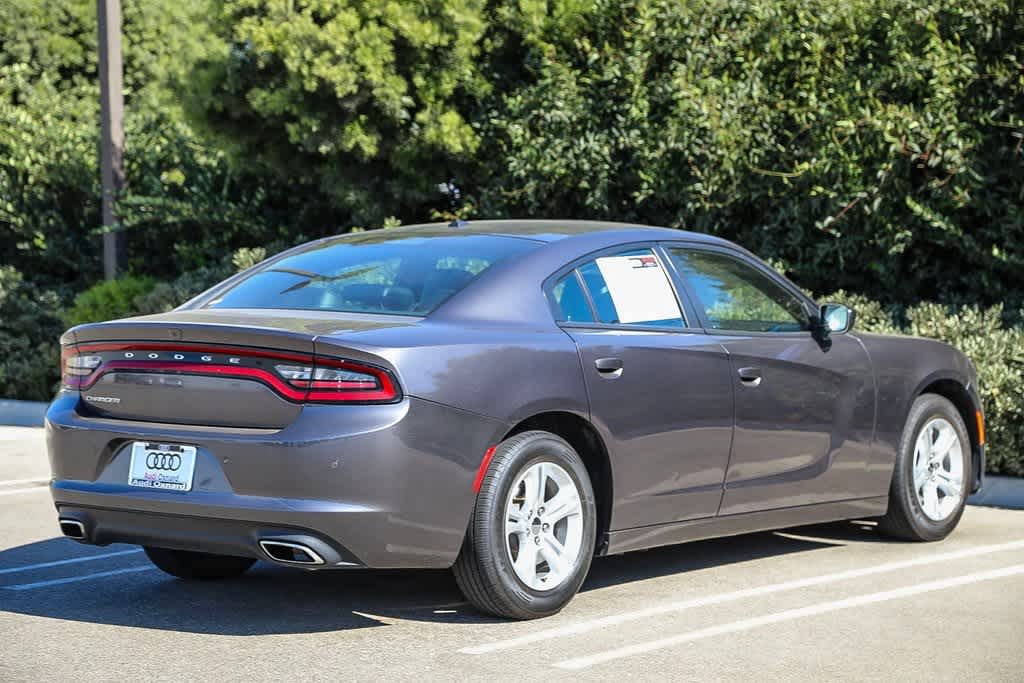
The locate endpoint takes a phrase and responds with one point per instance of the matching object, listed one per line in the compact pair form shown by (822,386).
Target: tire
(191,565)
(911,515)
(485,569)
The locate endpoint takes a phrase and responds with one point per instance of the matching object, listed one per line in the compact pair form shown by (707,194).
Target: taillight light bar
(331,380)
(297,377)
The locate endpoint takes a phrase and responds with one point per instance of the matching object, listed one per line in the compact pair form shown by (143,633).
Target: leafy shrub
(355,102)
(168,295)
(109,300)
(29,330)
(182,208)
(247,258)
(871,315)
(873,145)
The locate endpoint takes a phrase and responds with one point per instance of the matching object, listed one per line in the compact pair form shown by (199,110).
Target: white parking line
(73,579)
(615,619)
(788,615)
(11,492)
(70,560)
(18,482)
(9,434)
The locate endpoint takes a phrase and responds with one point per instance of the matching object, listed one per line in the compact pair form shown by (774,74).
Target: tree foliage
(361,100)
(872,144)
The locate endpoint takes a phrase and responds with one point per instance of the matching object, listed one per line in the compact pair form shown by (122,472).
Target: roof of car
(547,230)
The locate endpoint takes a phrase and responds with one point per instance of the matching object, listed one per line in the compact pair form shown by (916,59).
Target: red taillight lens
(76,367)
(307,377)
(338,381)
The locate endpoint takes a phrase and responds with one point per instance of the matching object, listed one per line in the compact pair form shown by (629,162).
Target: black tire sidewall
(924,410)
(537,447)
(186,564)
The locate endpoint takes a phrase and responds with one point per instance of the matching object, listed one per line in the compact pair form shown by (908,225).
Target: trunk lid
(224,368)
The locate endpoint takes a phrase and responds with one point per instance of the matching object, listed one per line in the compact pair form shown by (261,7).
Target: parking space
(829,601)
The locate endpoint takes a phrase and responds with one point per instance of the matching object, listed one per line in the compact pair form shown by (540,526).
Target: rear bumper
(222,536)
(377,486)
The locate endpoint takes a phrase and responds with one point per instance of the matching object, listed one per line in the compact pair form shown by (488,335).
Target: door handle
(750,377)
(609,367)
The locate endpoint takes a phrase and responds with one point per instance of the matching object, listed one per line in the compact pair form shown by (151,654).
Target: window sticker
(639,288)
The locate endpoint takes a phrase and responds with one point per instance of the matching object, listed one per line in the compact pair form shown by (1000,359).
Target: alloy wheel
(938,469)
(543,526)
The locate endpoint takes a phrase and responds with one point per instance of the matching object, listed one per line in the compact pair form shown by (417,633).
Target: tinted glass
(385,273)
(736,296)
(570,300)
(632,288)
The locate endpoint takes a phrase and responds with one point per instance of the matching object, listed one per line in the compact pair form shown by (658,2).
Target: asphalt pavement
(833,601)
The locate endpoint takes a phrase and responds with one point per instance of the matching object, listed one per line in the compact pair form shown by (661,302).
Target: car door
(804,405)
(659,388)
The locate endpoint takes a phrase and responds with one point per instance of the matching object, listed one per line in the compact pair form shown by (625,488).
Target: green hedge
(109,300)
(30,325)
(870,145)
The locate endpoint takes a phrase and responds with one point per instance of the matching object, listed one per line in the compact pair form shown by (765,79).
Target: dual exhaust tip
(285,552)
(288,552)
(72,528)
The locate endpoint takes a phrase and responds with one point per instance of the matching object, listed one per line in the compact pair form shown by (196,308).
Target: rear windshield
(389,273)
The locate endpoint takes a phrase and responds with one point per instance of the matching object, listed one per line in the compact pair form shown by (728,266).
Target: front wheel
(185,564)
(932,473)
(531,538)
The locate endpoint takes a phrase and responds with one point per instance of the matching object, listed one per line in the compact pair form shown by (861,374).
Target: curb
(22,413)
(1000,492)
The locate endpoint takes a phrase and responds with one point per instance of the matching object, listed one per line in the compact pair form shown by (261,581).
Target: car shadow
(277,600)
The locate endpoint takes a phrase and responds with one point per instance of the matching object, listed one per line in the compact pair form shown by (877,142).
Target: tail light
(297,377)
(75,367)
(331,381)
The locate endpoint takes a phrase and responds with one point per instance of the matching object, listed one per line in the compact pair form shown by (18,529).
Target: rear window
(385,273)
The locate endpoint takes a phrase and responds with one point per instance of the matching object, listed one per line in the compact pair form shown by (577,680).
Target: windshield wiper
(310,278)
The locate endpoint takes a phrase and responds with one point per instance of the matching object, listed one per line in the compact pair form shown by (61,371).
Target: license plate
(162,466)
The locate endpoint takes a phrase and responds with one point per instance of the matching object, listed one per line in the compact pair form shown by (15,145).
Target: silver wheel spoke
(923,445)
(565,503)
(948,485)
(541,485)
(922,455)
(516,521)
(930,494)
(944,442)
(921,466)
(533,483)
(525,564)
(553,553)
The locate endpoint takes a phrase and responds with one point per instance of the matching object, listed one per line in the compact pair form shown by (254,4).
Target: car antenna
(454,194)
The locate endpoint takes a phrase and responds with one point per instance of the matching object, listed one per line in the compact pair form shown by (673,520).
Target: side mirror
(836,319)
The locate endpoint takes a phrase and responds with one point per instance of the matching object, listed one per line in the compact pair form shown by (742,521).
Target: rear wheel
(185,564)
(932,472)
(531,538)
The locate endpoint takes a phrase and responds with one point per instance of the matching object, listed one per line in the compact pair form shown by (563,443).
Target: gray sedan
(506,398)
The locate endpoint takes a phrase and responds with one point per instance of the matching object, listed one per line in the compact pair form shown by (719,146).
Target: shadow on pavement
(275,600)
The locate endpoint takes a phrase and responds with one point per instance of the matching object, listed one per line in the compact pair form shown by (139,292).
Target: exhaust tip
(72,528)
(291,553)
